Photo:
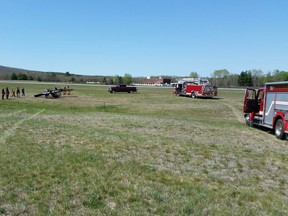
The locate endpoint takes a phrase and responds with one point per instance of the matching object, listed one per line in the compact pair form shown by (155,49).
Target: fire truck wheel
(247,121)
(193,95)
(279,129)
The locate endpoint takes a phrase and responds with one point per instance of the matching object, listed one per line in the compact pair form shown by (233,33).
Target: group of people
(14,93)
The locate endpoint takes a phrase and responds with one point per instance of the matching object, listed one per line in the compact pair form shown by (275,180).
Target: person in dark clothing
(23,92)
(7,93)
(18,92)
(3,93)
(13,93)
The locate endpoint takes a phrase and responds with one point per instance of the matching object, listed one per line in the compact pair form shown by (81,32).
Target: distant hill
(10,70)
(10,73)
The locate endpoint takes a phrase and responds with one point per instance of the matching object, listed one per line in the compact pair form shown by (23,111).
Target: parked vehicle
(195,88)
(268,107)
(122,88)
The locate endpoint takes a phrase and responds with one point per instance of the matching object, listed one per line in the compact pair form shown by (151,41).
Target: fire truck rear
(268,107)
(195,88)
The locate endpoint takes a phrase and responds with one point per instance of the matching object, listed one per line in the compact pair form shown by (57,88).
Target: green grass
(149,153)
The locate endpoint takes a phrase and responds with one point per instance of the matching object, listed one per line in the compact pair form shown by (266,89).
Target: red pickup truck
(122,88)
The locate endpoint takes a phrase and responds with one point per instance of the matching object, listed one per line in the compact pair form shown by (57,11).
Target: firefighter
(18,92)
(68,92)
(3,93)
(7,93)
(13,93)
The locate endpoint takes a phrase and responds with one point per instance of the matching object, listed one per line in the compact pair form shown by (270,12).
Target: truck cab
(122,88)
(268,107)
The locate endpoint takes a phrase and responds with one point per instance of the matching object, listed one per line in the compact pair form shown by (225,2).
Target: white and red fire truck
(195,88)
(268,107)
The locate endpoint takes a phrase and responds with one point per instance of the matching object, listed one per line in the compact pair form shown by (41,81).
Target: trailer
(268,107)
(195,88)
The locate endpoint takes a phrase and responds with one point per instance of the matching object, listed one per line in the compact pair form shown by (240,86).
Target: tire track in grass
(12,130)
(237,114)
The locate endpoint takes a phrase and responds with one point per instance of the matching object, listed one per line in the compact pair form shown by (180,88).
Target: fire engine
(194,88)
(268,107)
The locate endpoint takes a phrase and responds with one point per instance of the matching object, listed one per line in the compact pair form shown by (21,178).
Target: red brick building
(155,81)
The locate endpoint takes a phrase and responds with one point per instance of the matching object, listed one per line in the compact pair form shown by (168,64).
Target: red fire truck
(195,88)
(268,107)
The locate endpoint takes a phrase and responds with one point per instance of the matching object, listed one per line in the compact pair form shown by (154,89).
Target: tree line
(223,78)
(117,79)
(67,77)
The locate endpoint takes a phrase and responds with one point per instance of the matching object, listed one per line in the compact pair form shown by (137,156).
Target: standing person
(18,92)
(23,91)
(13,93)
(68,92)
(7,92)
(3,93)
(64,93)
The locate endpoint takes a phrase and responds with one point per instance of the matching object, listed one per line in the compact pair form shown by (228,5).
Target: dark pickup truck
(122,88)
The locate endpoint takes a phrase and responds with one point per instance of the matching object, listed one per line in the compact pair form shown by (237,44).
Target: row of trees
(52,77)
(127,78)
(223,78)
(67,77)
(47,77)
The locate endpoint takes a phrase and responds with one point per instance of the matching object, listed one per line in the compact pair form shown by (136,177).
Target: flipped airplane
(53,93)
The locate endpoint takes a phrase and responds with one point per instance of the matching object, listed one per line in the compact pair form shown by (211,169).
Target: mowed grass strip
(144,153)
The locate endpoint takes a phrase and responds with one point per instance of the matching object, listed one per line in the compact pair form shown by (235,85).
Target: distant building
(155,81)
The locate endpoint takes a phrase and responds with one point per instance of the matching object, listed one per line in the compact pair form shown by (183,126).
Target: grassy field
(149,153)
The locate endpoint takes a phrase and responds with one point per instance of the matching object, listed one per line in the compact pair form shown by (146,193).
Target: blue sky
(144,37)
